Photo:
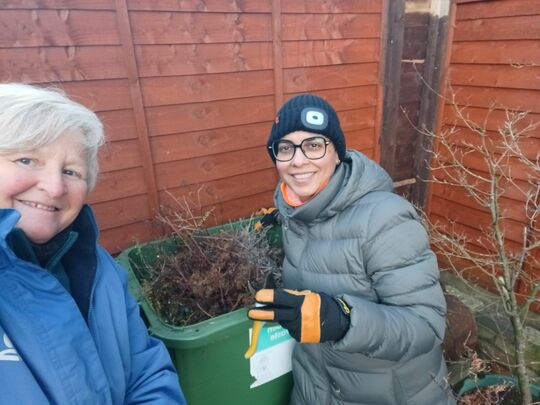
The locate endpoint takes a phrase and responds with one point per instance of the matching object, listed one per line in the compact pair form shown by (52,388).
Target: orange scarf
(293,199)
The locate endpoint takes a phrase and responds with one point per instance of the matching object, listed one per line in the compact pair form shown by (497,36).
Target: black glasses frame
(273,147)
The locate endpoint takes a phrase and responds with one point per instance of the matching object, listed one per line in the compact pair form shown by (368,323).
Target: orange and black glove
(269,218)
(310,317)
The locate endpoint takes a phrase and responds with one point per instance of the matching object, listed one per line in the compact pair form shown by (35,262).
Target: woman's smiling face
(46,185)
(303,176)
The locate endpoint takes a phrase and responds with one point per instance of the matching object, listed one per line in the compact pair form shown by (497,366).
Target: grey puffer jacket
(359,241)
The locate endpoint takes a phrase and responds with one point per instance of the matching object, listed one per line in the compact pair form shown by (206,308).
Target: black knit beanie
(309,113)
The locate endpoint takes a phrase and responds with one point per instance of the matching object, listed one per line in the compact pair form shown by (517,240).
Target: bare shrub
(210,273)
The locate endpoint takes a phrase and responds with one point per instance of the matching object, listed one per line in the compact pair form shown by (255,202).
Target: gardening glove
(310,317)
(269,218)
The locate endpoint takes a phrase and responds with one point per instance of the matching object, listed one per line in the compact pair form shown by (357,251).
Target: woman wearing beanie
(362,294)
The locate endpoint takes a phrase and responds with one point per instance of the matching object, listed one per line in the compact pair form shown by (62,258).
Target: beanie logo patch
(314,118)
(276,120)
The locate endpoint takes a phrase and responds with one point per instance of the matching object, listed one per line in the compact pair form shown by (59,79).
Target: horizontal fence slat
(329,77)
(492,9)
(331,6)
(209,87)
(523,27)
(347,98)
(490,120)
(224,6)
(174,60)
(329,52)
(217,191)
(476,219)
(236,209)
(512,166)
(118,184)
(58,4)
(492,141)
(100,95)
(191,28)
(125,211)
(357,119)
(188,145)
(522,52)
(29,28)
(120,155)
(117,239)
(515,190)
(361,139)
(192,117)
(118,125)
(496,76)
(207,168)
(500,99)
(472,234)
(329,26)
(511,209)
(61,64)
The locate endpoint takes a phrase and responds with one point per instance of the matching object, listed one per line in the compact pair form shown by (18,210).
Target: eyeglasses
(313,148)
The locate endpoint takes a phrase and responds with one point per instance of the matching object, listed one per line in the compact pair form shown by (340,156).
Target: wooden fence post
(277,54)
(391,82)
(124,27)
(434,66)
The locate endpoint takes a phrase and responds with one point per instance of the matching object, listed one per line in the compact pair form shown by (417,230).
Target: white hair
(32,117)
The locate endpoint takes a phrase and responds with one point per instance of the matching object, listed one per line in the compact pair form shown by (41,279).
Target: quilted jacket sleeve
(409,317)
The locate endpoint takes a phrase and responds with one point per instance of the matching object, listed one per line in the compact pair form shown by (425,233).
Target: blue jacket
(87,347)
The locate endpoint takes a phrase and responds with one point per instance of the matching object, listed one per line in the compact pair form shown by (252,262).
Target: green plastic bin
(209,355)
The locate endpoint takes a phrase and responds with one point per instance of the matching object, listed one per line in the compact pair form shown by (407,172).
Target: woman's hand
(310,317)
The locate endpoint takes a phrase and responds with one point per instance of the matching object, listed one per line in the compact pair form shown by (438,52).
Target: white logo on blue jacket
(9,354)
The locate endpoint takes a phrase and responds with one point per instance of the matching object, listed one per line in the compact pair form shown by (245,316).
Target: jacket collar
(8,219)
(354,177)
(84,223)
(80,261)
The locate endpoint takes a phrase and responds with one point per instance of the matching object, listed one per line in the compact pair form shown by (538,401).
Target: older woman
(70,333)
(362,285)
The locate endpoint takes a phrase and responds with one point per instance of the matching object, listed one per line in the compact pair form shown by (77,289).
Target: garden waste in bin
(209,355)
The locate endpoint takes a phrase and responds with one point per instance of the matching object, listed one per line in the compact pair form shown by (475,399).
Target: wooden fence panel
(187,91)
(493,71)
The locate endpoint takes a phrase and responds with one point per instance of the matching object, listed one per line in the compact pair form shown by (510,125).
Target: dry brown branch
(490,165)
(486,164)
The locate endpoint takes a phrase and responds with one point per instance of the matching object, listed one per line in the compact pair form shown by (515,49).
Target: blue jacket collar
(84,222)
(80,261)
(8,219)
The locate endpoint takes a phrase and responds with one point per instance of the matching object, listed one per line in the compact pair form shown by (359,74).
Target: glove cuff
(337,319)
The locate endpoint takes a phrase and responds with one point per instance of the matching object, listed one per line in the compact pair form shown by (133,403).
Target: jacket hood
(356,176)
